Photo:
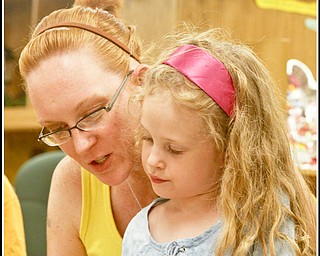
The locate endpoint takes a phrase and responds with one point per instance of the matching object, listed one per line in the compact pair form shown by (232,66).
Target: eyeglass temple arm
(119,90)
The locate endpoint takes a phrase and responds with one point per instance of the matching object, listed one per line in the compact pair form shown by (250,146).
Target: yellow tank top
(98,231)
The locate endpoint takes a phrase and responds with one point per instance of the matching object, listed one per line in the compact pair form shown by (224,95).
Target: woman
(80,67)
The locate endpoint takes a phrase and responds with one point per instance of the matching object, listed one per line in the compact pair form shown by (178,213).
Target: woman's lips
(100,160)
(157,180)
(101,164)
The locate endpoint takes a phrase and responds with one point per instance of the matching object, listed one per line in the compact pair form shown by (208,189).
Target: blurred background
(277,30)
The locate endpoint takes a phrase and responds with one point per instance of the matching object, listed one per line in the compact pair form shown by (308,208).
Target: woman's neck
(140,186)
(129,197)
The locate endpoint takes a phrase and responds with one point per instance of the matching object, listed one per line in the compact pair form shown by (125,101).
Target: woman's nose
(82,141)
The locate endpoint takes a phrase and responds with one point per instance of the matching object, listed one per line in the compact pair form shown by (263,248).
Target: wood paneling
(275,35)
(152,18)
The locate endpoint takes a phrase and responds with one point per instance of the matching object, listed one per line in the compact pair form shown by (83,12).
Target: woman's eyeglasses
(87,123)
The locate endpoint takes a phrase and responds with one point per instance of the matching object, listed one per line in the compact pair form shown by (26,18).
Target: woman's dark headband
(93,30)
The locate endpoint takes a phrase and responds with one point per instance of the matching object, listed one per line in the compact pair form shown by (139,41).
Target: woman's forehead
(70,71)
(62,82)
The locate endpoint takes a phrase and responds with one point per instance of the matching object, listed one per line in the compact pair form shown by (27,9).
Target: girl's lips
(156,179)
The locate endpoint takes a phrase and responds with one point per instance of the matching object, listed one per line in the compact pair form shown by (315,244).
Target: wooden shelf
(18,119)
(311,173)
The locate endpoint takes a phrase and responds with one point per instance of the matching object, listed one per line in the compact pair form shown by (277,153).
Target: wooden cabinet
(20,126)
(20,139)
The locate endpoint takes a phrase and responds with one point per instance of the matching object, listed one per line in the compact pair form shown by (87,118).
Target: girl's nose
(155,158)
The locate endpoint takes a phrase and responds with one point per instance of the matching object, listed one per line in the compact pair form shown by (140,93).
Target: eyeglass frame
(106,108)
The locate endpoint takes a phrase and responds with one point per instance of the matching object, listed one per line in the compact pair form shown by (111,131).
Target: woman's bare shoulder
(64,209)
(66,182)
(67,172)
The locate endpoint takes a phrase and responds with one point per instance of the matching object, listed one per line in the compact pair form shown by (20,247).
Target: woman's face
(66,87)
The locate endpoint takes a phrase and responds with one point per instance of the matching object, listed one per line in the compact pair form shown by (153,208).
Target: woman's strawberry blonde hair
(100,14)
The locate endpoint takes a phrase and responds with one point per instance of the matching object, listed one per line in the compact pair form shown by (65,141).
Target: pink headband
(206,72)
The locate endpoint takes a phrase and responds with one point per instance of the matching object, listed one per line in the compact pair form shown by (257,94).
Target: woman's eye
(57,129)
(92,120)
(94,116)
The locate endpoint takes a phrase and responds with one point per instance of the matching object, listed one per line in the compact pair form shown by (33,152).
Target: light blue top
(138,241)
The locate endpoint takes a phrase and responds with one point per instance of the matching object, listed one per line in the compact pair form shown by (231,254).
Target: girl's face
(178,157)
(66,87)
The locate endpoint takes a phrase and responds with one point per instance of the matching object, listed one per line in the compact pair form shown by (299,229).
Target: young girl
(215,148)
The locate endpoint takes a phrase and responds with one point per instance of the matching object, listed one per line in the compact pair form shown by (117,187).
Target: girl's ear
(138,74)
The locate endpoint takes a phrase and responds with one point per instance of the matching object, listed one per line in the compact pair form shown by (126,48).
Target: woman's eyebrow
(89,100)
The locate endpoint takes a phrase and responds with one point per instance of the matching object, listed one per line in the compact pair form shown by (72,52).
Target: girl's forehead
(161,109)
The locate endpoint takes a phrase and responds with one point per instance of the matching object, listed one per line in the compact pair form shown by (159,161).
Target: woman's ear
(138,74)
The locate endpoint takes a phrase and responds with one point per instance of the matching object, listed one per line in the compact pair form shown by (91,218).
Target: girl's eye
(175,152)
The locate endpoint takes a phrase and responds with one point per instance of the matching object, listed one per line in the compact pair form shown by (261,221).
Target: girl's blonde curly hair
(254,141)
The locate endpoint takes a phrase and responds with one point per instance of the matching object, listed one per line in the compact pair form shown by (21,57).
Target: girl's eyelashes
(173,151)
(168,147)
